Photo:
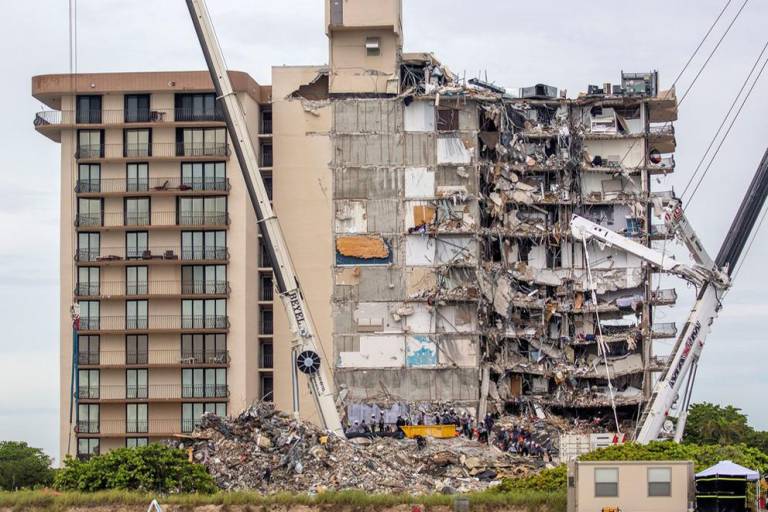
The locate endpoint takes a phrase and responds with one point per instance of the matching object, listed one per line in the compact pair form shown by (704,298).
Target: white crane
(305,350)
(712,279)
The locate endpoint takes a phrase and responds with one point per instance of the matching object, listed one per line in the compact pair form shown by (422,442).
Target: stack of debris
(269,451)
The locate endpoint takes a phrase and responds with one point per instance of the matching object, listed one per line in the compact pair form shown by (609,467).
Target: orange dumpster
(438,431)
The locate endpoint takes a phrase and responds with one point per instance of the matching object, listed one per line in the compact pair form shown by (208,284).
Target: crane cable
(602,346)
(728,131)
(701,69)
(725,119)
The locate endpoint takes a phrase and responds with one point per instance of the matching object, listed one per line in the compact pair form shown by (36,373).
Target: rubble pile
(269,451)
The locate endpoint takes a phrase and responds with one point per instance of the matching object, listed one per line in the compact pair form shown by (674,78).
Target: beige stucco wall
(352,70)
(302,199)
(633,487)
(242,273)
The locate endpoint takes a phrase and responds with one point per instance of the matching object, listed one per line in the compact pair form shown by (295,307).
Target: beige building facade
(160,249)
(631,486)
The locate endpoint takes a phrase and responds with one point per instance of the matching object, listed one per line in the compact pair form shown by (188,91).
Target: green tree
(23,466)
(715,424)
(154,468)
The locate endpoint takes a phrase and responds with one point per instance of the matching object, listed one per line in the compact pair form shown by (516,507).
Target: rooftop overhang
(49,89)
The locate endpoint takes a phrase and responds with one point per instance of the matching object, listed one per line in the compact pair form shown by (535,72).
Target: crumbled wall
(455,262)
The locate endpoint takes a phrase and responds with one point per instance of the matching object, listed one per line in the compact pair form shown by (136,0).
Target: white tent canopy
(728,468)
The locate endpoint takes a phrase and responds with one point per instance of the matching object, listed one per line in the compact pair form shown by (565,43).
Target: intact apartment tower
(160,248)
(427,218)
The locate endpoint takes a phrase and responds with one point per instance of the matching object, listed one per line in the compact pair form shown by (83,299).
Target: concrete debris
(269,451)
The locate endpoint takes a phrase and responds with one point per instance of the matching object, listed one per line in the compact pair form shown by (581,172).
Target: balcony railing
(154,218)
(155,184)
(266,358)
(153,392)
(666,296)
(664,330)
(123,288)
(87,427)
(266,126)
(155,149)
(151,115)
(86,358)
(212,253)
(204,391)
(148,426)
(154,322)
(266,326)
(267,291)
(156,357)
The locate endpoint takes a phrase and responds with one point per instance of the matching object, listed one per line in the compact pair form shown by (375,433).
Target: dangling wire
(602,346)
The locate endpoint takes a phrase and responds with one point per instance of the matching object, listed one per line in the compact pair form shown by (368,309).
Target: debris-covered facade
(455,275)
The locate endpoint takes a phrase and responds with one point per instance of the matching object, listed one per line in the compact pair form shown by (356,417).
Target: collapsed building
(456,280)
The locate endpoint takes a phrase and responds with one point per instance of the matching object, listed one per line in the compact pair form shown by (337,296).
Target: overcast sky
(561,43)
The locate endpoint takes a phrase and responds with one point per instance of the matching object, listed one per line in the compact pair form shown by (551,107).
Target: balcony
(266,294)
(664,297)
(151,255)
(266,326)
(172,185)
(171,289)
(155,392)
(156,323)
(64,118)
(266,359)
(266,156)
(121,427)
(155,358)
(664,330)
(152,219)
(155,150)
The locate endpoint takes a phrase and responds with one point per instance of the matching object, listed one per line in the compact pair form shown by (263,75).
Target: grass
(530,501)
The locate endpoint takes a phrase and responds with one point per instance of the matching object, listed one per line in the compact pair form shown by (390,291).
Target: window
(135,442)
(90,144)
(204,314)
(266,121)
(606,482)
(660,482)
(136,349)
(447,119)
(87,281)
(199,279)
(197,107)
(88,418)
(267,387)
(88,178)
(89,212)
(88,349)
(89,109)
(136,281)
(137,177)
(89,315)
(136,314)
(136,383)
(87,447)
(136,244)
(201,142)
(137,108)
(267,288)
(266,155)
(203,175)
(136,418)
(137,211)
(266,322)
(88,246)
(373,46)
(88,384)
(200,211)
(204,245)
(204,348)
(191,413)
(137,142)
(204,382)
(266,355)
(265,259)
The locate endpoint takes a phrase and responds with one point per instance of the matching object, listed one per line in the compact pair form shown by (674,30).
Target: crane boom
(305,350)
(713,278)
